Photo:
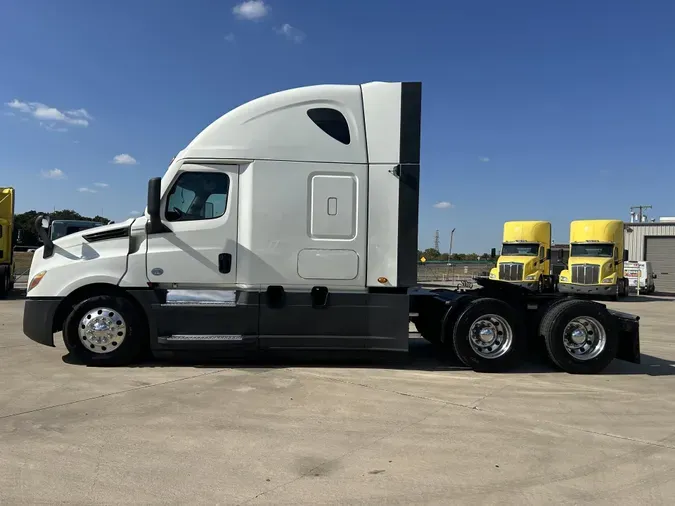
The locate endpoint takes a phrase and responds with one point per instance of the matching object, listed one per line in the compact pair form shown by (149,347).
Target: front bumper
(587,289)
(530,285)
(38,319)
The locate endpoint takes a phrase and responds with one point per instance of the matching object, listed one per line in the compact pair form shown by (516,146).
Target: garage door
(660,251)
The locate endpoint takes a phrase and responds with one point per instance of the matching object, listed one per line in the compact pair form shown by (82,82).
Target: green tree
(431,254)
(101,219)
(24,223)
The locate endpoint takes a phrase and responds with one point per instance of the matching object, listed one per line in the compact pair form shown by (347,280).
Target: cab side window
(542,253)
(198,196)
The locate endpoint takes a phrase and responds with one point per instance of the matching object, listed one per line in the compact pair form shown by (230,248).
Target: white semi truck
(291,223)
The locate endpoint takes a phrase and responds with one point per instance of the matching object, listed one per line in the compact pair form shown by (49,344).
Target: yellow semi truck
(6,240)
(596,261)
(525,258)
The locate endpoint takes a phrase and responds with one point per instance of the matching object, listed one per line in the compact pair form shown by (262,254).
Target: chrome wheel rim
(490,336)
(102,330)
(584,338)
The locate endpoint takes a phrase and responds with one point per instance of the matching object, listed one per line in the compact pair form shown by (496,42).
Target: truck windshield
(520,250)
(592,250)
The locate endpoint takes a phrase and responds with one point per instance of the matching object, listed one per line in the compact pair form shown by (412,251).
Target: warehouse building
(654,242)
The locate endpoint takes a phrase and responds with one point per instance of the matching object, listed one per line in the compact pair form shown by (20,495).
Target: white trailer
(291,223)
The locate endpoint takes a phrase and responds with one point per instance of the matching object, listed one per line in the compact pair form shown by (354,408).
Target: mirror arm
(43,234)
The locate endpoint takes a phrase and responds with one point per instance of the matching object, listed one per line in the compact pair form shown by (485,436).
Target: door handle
(224,263)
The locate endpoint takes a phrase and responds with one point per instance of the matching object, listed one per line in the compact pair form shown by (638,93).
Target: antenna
(639,213)
(437,241)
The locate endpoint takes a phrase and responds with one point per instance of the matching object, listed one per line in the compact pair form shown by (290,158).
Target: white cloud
(229,37)
(251,10)
(291,33)
(80,113)
(101,185)
(443,205)
(52,127)
(135,213)
(19,106)
(53,174)
(124,159)
(86,190)
(483,159)
(42,112)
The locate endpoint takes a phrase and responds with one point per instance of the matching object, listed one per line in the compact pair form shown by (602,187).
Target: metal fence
(453,272)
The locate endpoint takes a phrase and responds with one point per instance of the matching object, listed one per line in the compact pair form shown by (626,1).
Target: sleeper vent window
(332,122)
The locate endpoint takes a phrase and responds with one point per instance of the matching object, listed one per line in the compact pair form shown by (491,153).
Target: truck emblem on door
(157,271)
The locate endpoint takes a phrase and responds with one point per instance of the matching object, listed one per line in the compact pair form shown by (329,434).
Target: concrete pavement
(429,432)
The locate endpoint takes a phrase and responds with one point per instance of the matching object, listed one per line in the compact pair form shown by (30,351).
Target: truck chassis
(491,328)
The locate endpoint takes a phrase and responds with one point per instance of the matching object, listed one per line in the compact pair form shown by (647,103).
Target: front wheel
(488,336)
(105,330)
(580,336)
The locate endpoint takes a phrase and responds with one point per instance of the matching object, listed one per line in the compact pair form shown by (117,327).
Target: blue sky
(532,109)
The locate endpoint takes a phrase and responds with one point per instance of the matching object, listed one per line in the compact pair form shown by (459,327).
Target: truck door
(199,248)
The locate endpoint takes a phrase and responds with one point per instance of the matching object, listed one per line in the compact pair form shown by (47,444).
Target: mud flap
(628,327)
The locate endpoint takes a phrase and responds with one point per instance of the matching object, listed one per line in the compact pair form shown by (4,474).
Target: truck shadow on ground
(650,298)
(422,356)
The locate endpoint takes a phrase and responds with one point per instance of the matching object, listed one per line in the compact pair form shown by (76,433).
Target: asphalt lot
(428,432)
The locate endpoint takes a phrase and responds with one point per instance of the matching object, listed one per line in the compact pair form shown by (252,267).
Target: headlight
(607,280)
(36,280)
(492,276)
(564,278)
(530,277)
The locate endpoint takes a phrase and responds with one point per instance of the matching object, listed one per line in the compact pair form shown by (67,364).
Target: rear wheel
(580,336)
(105,330)
(488,336)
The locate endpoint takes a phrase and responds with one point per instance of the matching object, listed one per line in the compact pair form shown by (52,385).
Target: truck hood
(77,238)
(521,260)
(589,260)
(528,262)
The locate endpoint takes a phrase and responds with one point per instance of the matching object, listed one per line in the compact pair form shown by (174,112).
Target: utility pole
(639,208)
(437,241)
(452,234)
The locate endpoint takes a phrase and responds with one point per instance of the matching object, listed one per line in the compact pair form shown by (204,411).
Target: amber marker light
(36,280)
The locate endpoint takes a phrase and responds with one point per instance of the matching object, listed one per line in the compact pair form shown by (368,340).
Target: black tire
(4,283)
(134,331)
(553,326)
(617,294)
(461,339)
(428,330)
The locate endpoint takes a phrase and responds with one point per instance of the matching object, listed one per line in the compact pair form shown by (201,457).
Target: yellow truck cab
(525,258)
(596,261)
(6,240)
